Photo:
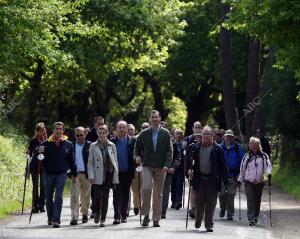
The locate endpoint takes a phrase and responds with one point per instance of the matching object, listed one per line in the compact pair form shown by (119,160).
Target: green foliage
(12,167)
(177,116)
(287,179)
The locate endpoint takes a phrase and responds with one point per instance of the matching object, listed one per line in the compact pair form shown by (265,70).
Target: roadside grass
(287,179)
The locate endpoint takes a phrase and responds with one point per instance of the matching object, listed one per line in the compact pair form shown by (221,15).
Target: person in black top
(58,160)
(39,137)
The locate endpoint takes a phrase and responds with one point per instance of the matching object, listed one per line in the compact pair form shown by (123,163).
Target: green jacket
(162,157)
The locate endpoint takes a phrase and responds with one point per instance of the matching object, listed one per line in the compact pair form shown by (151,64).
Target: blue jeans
(54,183)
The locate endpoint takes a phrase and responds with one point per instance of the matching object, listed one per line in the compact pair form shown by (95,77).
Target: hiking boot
(163,216)
(178,205)
(229,218)
(173,205)
(35,210)
(85,219)
(42,209)
(136,211)
(156,224)
(92,215)
(73,222)
(146,221)
(222,213)
(116,221)
(50,222)
(209,230)
(124,220)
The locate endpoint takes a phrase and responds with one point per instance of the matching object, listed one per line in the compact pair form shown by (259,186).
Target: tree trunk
(252,86)
(227,78)
(34,95)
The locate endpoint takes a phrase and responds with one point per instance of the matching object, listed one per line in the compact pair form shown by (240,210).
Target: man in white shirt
(81,187)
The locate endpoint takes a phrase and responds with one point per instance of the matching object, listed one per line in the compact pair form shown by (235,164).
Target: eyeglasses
(79,135)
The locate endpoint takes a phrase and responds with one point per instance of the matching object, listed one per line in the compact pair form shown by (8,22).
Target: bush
(12,166)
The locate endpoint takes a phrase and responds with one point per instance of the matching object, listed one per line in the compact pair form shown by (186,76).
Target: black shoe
(35,210)
(156,224)
(92,215)
(56,225)
(50,222)
(178,205)
(146,221)
(102,223)
(172,205)
(85,219)
(124,220)
(255,220)
(192,213)
(222,213)
(209,230)
(96,218)
(73,222)
(163,216)
(197,224)
(251,223)
(136,211)
(42,209)
(116,221)
(229,218)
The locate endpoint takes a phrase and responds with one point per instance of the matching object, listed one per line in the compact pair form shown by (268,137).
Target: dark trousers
(54,183)
(166,193)
(100,197)
(38,197)
(206,201)
(121,195)
(253,194)
(177,186)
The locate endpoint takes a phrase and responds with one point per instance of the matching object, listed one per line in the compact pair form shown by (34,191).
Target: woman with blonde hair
(254,165)
(39,137)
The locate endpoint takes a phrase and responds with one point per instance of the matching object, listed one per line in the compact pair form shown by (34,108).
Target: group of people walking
(152,164)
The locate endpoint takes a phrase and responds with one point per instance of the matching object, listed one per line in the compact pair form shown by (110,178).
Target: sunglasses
(79,135)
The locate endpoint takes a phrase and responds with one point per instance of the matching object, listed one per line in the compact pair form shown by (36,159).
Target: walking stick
(240,215)
(184,168)
(188,204)
(270,202)
(27,156)
(35,187)
(139,170)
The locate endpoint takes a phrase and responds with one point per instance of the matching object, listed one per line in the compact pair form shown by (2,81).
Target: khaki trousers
(81,189)
(135,189)
(153,179)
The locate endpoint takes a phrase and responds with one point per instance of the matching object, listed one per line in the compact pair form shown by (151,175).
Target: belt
(82,172)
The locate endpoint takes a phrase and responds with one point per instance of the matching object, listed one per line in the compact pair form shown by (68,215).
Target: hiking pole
(270,202)
(240,202)
(36,186)
(139,170)
(28,158)
(188,204)
(184,168)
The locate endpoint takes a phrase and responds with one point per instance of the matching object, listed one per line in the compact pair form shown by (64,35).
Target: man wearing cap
(233,154)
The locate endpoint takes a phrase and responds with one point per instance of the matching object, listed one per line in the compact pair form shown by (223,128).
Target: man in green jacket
(154,151)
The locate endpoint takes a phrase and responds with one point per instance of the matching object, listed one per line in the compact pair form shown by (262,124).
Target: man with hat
(233,154)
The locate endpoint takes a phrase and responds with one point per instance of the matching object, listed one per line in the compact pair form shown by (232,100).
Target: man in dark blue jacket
(233,154)
(58,159)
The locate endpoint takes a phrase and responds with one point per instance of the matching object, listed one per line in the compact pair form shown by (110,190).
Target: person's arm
(71,161)
(137,153)
(243,168)
(224,169)
(268,166)
(169,155)
(90,164)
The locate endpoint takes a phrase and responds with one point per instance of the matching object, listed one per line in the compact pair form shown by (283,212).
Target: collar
(53,138)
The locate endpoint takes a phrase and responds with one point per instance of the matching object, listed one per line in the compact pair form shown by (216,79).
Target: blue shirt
(122,153)
(79,158)
(155,137)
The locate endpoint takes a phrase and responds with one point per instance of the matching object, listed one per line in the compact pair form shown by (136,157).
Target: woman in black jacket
(39,137)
